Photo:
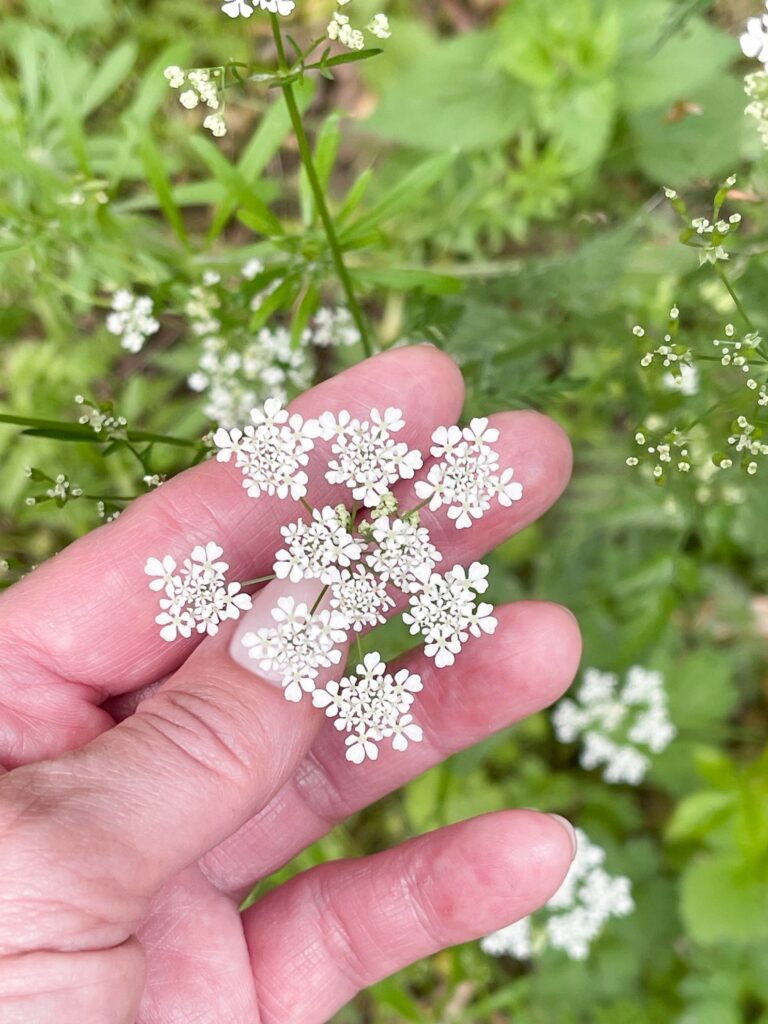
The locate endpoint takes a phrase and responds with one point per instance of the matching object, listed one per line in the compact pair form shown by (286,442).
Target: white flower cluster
(444,611)
(746,440)
(359,567)
(101,419)
(574,917)
(198,597)
(672,448)
(740,354)
(682,373)
(244,9)
(619,727)
(271,451)
(370,706)
(236,370)
(713,236)
(131,319)
(339,29)
(203,87)
(466,478)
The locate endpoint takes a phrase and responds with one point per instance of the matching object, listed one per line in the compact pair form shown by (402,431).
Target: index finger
(81,627)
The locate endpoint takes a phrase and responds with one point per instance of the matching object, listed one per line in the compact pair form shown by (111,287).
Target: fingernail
(568,610)
(570,830)
(260,617)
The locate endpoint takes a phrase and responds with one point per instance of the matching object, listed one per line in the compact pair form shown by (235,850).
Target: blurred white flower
(131,319)
(379,26)
(619,727)
(754,42)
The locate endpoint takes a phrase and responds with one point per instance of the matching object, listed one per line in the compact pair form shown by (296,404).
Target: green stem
(306,505)
(736,300)
(259,579)
(416,508)
(320,597)
(317,191)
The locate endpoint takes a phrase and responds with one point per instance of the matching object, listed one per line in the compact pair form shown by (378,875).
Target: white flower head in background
(242,9)
(364,556)
(754,41)
(574,917)
(619,726)
(131,319)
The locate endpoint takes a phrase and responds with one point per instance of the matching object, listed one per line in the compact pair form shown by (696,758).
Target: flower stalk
(317,190)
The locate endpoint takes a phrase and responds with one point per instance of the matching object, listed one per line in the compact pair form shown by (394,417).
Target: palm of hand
(126,856)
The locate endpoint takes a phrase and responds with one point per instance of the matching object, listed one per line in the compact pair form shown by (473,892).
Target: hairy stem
(317,190)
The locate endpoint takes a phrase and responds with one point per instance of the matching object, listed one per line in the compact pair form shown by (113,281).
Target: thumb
(104,827)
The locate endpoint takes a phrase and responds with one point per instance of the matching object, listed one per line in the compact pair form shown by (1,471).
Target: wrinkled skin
(149,785)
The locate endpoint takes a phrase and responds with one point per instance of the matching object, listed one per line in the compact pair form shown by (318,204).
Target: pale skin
(149,785)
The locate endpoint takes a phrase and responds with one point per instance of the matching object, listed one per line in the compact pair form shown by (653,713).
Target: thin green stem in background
(317,191)
(737,301)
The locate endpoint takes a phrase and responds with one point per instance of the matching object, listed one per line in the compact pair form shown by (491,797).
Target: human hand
(125,848)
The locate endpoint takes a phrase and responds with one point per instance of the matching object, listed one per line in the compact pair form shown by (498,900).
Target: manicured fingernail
(570,830)
(260,617)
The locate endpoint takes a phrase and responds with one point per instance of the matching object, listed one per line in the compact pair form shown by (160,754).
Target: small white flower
(189,99)
(215,124)
(445,611)
(131,319)
(198,596)
(298,645)
(359,596)
(315,547)
(372,705)
(619,727)
(754,42)
(237,9)
(271,452)
(368,460)
(379,26)
(467,476)
(402,554)
(175,76)
(332,328)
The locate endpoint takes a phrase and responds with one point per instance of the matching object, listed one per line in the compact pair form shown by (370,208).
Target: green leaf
(702,145)
(698,814)
(582,124)
(154,168)
(720,902)
(408,278)
(261,218)
(348,58)
(111,73)
(264,143)
(451,97)
(403,195)
(650,76)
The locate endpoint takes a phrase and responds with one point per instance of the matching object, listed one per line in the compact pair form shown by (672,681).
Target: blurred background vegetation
(535,137)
